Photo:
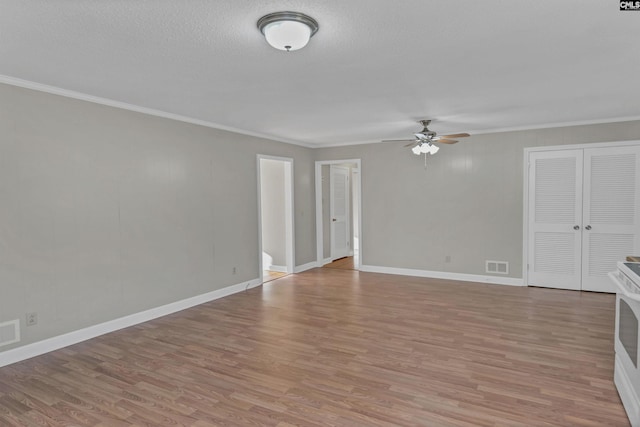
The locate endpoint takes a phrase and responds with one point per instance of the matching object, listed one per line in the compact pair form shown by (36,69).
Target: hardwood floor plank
(334,347)
(345,263)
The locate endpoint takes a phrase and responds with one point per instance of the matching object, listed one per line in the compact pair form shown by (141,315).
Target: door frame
(525,190)
(347,215)
(290,248)
(319,226)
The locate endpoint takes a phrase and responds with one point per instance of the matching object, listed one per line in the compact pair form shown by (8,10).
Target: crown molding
(556,125)
(27,84)
(502,130)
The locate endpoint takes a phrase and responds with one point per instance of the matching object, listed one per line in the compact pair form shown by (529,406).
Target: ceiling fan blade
(398,140)
(412,143)
(456,135)
(446,141)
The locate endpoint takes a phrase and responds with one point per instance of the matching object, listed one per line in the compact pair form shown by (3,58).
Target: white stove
(627,372)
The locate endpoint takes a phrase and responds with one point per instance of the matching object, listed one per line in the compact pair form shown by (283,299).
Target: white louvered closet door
(555,210)
(611,213)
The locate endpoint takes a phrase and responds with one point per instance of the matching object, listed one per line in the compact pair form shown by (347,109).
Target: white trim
(555,125)
(27,84)
(278,268)
(327,261)
(493,130)
(319,227)
(290,245)
(31,350)
(510,281)
(13,81)
(525,189)
(305,267)
(346,172)
(627,394)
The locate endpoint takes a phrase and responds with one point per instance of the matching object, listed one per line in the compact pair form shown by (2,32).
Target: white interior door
(339,209)
(611,213)
(555,219)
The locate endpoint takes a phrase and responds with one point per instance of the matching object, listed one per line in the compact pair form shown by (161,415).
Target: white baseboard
(327,261)
(278,268)
(627,394)
(305,267)
(511,281)
(50,344)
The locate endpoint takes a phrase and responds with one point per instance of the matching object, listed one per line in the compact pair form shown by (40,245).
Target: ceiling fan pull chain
(425,160)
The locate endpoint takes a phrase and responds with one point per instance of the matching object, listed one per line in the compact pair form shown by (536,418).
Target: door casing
(289,213)
(358,201)
(345,217)
(525,193)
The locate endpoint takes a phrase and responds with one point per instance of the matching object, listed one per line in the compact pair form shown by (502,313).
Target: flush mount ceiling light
(287,30)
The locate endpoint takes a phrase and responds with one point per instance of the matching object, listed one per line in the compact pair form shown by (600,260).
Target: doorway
(340,220)
(275,222)
(338,213)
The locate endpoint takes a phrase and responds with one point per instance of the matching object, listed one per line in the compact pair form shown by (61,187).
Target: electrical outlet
(235,270)
(32,319)
(447,258)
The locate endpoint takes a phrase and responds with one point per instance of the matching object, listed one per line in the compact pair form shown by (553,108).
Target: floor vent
(497,267)
(9,332)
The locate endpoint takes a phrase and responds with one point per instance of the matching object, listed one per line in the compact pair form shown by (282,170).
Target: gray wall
(467,203)
(273,211)
(106,212)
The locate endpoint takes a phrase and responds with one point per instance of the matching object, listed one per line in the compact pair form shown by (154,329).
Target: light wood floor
(268,275)
(339,348)
(345,263)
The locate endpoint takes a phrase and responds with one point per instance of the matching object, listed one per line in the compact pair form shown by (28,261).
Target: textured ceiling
(373,69)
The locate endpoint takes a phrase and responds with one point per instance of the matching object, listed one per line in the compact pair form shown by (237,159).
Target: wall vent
(9,332)
(497,267)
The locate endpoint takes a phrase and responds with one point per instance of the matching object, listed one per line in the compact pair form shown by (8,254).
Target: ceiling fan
(425,139)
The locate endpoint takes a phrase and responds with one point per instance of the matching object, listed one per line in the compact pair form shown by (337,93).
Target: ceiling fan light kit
(287,31)
(425,148)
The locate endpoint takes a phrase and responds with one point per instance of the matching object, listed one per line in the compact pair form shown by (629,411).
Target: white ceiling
(373,69)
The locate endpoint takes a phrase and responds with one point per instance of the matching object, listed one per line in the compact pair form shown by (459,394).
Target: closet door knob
(576,227)
(588,227)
